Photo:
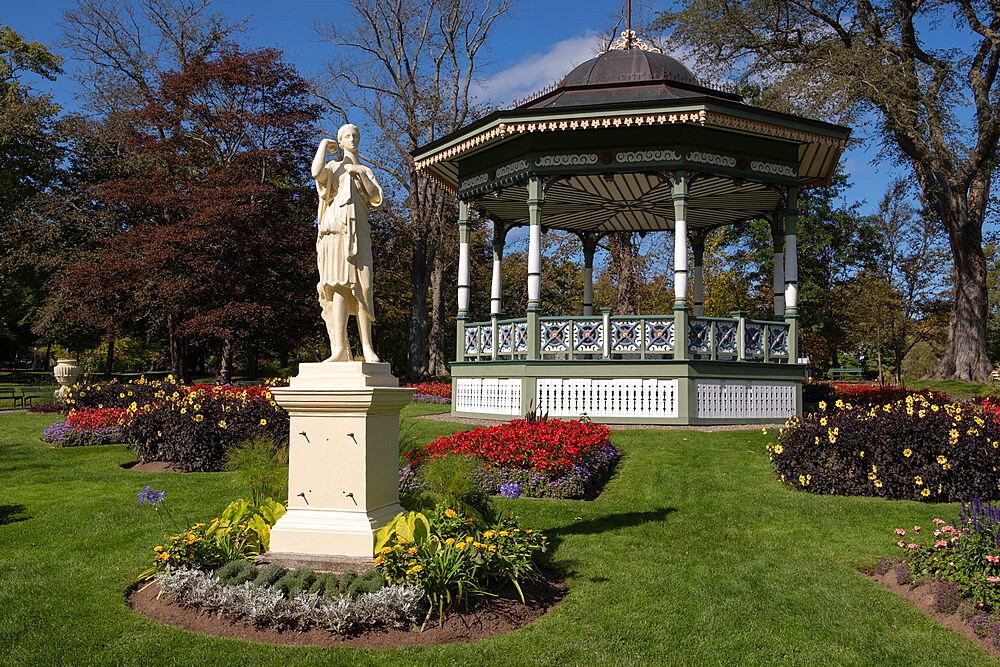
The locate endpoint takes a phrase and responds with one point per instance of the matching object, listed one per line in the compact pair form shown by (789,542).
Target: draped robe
(344,246)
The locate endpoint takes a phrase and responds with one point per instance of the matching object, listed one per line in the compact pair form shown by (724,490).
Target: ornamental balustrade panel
(659,335)
(619,397)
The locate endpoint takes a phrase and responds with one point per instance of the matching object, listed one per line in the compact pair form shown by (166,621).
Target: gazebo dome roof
(629,65)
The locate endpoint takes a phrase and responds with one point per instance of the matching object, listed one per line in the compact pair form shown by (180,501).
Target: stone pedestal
(343,482)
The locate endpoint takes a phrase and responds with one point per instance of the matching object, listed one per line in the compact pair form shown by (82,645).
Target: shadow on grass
(13,514)
(610,522)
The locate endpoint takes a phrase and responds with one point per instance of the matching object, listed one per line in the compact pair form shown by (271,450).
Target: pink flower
(993,559)
(900,531)
(916,528)
(951,563)
(911,546)
(993,580)
(936,533)
(938,522)
(954,539)
(940,544)
(948,529)
(901,543)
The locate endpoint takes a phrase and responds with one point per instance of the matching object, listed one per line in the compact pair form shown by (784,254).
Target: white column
(778,284)
(792,275)
(463,257)
(680,191)
(499,235)
(535,199)
(680,262)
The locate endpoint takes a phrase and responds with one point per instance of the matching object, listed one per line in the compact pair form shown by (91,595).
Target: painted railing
(628,337)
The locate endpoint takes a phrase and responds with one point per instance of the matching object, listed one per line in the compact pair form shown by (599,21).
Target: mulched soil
(151,466)
(923,597)
(489,617)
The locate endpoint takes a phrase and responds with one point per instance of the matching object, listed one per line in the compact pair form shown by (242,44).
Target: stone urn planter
(66,371)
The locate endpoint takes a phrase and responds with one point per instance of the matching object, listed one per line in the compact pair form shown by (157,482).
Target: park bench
(11,393)
(995,376)
(845,374)
(29,393)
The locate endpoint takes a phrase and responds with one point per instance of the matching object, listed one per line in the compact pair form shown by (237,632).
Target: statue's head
(349,137)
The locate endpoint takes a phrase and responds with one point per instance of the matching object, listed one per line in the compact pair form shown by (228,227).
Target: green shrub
(911,449)
(369,582)
(346,579)
(324,582)
(295,582)
(236,572)
(269,575)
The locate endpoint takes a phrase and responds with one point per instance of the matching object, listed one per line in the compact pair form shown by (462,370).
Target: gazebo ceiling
(633,202)
(607,140)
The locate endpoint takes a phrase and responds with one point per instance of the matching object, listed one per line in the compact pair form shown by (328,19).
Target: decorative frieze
(773,168)
(629,157)
(567,160)
(712,159)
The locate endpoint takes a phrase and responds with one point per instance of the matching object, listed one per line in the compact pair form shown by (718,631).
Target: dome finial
(629,39)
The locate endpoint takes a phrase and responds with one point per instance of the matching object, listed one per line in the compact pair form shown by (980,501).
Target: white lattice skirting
(490,396)
(625,397)
(737,399)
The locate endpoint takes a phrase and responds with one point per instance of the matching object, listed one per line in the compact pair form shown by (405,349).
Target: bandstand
(630,142)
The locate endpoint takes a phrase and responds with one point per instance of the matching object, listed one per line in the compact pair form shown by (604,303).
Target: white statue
(347,190)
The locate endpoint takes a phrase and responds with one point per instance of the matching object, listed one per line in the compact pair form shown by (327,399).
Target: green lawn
(693,554)
(956,388)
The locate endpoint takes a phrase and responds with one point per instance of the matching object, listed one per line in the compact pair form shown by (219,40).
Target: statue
(347,190)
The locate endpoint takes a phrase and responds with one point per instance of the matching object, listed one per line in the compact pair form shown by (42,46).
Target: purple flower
(510,490)
(154,497)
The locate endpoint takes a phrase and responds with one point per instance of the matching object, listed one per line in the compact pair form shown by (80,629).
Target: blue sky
(534,47)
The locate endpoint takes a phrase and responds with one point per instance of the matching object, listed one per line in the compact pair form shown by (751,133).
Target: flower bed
(62,434)
(546,459)
(961,558)
(189,426)
(909,449)
(431,392)
(864,394)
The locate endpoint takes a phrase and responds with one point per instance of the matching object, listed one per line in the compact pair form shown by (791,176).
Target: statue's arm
(320,161)
(373,193)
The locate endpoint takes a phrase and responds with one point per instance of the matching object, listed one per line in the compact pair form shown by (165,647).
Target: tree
(29,161)
(936,109)
(408,68)
(221,246)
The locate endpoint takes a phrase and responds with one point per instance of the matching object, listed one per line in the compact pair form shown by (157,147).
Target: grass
(694,554)
(956,388)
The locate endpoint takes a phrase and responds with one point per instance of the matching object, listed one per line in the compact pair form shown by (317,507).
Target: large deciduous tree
(936,108)
(407,68)
(220,247)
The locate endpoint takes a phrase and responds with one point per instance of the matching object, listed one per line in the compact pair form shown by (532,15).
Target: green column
(792,275)
(681,186)
(463,279)
(535,199)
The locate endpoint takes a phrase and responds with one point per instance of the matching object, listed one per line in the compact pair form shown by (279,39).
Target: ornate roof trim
(630,40)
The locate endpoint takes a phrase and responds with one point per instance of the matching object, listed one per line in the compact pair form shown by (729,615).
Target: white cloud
(538,70)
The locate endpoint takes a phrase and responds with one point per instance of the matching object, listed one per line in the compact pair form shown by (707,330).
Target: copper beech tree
(220,247)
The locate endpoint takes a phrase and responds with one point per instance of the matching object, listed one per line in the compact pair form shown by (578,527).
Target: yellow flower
(478,545)
(199,418)
(490,534)
(183,410)
(415,568)
(412,551)
(263,422)
(222,423)
(862,454)
(822,405)
(878,483)
(492,547)
(946,466)
(504,533)
(919,480)
(872,475)
(778,449)
(907,453)
(191,537)
(942,460)
(387,550)
(450,541)
(378,560)
(459,545)
(450,513)
(925,492)
(822,421)
(197,406)
(922,414)
(157,548)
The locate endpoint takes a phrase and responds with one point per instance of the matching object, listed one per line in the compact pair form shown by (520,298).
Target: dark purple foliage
(902,574)
(431,398)
(980,623)
(884,565)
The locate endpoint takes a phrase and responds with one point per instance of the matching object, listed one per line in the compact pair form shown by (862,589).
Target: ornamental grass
(911,449)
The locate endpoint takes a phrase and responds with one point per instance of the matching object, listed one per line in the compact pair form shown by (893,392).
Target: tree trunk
(48,356)
(437,364)
(416,358)
(624,267)
(226,357)
(177,351)
(109,362)
(965,356)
